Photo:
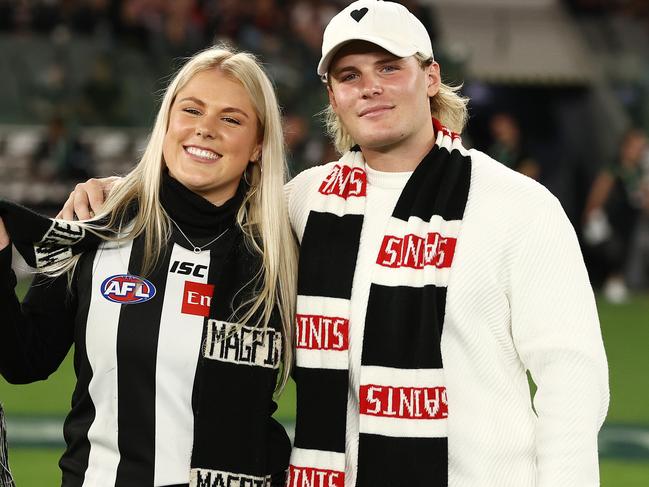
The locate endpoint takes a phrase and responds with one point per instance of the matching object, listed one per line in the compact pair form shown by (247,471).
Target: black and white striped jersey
(168,387)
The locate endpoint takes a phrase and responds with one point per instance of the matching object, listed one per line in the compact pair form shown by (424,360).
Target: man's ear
(433,79)
(332,97)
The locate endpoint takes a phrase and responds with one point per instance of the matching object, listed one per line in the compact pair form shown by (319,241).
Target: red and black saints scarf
(403,404)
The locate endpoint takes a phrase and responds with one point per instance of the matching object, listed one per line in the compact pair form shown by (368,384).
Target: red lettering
(197,298)
(314,477)
(417,252)
(345,181)
(413,252)
(404,402)
(313,332)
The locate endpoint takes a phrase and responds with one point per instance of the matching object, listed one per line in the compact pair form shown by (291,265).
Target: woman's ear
(255,157)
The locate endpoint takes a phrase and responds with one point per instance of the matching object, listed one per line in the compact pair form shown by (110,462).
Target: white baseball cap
(389,25)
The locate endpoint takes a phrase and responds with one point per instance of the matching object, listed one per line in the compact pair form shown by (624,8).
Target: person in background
(178,296)
(615,205)
(102,96)
(508,147)
(68,158)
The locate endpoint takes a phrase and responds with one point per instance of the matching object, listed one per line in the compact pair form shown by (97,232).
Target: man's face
(382,100)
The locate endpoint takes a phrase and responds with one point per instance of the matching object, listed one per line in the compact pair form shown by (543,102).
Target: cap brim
(400,51)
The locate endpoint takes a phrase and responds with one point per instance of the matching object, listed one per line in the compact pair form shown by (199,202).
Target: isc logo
(127,289)
(188,268)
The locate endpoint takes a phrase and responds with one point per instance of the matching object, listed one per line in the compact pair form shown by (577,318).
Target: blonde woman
(178,297)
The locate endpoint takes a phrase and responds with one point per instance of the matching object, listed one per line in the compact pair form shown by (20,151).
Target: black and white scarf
(402,397)
(44,241)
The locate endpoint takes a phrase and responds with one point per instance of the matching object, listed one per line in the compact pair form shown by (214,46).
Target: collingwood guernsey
(171,388)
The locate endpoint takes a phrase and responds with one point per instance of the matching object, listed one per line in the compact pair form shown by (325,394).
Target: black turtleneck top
(195,215)
(161,397)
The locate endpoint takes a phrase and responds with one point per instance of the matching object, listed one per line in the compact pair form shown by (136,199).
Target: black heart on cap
(357,15)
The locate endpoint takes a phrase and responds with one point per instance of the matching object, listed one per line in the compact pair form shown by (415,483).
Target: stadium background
(81,80)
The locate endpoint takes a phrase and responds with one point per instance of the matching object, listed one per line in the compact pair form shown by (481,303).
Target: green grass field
(37,467)
(626,337)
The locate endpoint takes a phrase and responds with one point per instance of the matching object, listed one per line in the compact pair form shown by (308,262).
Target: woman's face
(213,134)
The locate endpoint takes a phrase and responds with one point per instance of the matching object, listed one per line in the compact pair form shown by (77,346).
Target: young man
(431,279)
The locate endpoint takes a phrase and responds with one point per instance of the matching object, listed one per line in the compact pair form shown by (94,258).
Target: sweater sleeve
(36,335)
(556,331)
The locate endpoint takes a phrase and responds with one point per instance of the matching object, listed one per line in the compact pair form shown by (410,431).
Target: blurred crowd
(632,8)
(285,34)
(135,44)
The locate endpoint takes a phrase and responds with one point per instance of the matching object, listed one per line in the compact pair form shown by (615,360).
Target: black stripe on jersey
(74,461)
(137,343)
(221,305)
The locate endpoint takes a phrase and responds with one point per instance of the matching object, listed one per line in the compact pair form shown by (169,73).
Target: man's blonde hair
(447,106)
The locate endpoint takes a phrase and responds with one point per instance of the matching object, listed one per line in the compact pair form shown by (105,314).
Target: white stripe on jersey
(101,347)
(178,351)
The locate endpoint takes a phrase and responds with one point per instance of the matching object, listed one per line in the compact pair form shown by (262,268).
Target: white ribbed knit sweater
(518,299)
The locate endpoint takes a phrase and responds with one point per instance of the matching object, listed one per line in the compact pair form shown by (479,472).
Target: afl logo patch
(127,289)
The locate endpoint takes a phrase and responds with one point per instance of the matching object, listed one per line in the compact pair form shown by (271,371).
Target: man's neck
(402,157)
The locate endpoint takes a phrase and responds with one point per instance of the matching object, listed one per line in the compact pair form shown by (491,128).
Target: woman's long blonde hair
(263,215)
(447,106)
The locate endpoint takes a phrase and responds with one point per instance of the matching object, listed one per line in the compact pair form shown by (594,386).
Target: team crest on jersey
(127,289)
